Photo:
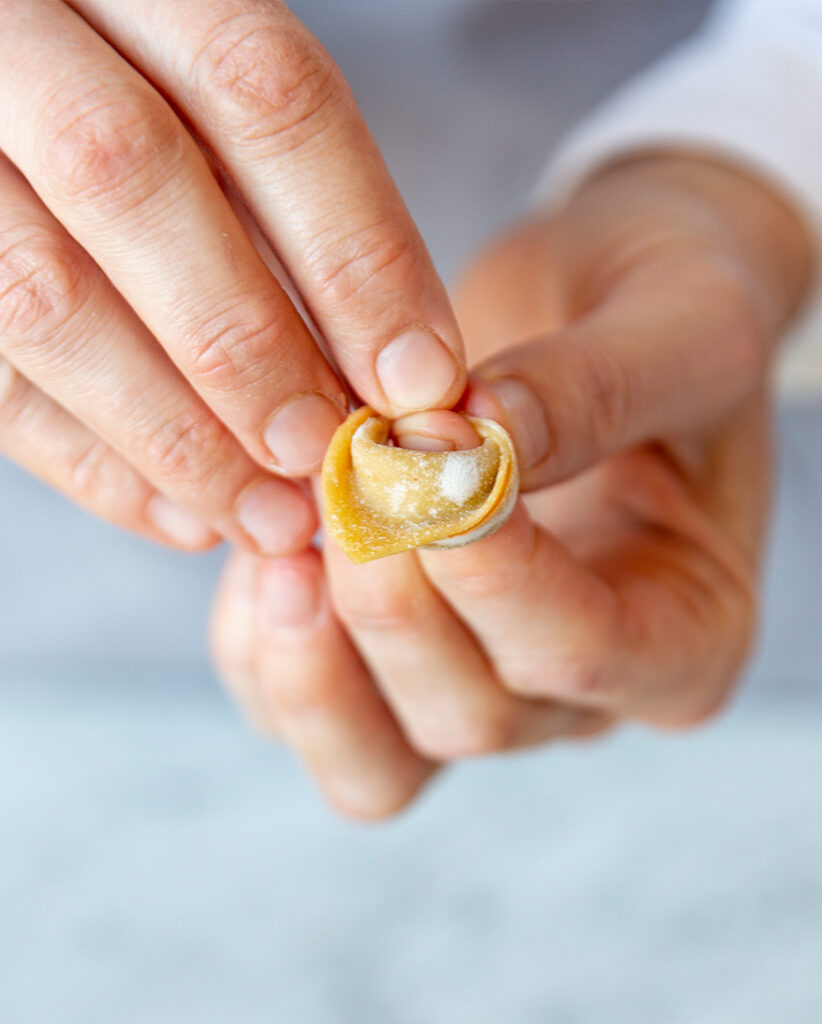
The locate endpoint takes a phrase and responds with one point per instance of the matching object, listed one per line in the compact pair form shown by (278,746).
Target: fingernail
(438,430)
(523,415)
(416,371)
(276,516)
(290,596)
(178,524)
(298,433)
(421,443)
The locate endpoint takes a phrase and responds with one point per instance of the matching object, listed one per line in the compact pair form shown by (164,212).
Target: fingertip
(417,370)
(384,799)
(307,562)
(297,434)
(516,406)
(278,518)
(189,549)
(179,527)
(436,430)
(480,400)
(291,591)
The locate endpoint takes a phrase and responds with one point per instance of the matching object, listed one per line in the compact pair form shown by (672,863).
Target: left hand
(625,590)
(153,365)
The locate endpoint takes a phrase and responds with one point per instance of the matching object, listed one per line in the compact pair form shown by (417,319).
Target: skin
(152,366)
(155,367)
(627,343)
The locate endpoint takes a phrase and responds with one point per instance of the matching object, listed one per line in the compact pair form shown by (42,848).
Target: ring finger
(68,331)
(432,671)
(46,440)
(281,649)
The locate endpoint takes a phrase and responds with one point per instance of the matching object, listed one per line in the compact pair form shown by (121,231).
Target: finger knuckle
(231,652)
(379,610)
(365,802)
(377,259)
(737,620)
(94,469)
(13,391)
(185,449)
(237,346)
(488,588)
(700,712)
(105,482)
(44,281)
(109,144)
(242,687)
(745,346)
(465,738)
(605,388)
(579,679)
(299,693)
(731,634)
(268,80)
(650,490)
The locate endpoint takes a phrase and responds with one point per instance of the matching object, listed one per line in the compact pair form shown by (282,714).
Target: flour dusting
(397,496)
(459,479)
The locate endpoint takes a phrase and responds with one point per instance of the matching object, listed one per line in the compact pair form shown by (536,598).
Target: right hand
(627,342)
(151,365)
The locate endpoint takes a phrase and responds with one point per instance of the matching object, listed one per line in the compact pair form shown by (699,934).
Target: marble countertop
(160,865)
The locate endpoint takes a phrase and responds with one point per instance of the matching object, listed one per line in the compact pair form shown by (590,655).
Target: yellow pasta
(379,499)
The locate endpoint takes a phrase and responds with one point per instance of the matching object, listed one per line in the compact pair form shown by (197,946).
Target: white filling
(459,479)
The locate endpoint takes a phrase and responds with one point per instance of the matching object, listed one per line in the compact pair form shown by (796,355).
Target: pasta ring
(379,499)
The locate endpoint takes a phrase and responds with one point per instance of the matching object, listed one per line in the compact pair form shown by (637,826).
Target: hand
(650,310)
(151,365)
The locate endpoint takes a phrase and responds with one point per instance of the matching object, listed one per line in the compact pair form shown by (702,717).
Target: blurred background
(159,863)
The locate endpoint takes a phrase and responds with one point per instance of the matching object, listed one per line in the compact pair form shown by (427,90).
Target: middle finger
(270,103)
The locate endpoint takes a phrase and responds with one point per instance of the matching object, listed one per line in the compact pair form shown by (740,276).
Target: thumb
(672,349)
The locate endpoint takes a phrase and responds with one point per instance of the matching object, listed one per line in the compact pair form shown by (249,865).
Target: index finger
(272,105)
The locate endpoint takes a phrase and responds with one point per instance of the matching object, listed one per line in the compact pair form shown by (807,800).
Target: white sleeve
(747,88)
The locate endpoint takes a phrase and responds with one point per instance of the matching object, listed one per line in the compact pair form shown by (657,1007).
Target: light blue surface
(163,867)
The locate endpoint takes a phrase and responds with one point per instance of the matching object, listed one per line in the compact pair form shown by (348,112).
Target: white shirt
(749,88)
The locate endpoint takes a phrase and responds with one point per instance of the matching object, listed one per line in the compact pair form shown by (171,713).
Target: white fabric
(749,88)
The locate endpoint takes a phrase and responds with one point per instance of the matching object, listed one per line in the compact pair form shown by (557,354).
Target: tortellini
(379,499)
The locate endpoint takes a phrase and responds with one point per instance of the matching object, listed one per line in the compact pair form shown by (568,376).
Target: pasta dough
(379,499)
